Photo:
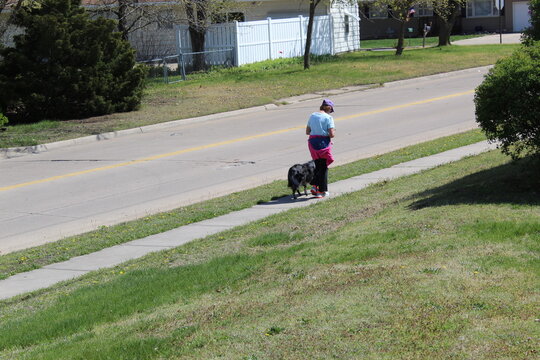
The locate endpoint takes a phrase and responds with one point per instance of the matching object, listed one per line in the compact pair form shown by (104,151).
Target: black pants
(321,175)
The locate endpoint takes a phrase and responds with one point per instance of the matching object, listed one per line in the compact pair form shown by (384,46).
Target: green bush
(532,33)
(66,65)
(508,102)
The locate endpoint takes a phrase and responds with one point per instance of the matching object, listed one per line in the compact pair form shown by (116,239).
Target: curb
(7,153)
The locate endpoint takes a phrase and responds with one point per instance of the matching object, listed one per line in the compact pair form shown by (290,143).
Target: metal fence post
(332,40)
(270,47)
(165,72)
(302,46)
(183,67)
(236,44)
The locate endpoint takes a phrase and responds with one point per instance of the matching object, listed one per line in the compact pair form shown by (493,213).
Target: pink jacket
(322,153)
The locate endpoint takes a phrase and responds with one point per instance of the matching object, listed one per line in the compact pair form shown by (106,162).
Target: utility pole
(500,23)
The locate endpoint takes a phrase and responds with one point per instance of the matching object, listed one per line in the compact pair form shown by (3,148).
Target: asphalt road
(70,190)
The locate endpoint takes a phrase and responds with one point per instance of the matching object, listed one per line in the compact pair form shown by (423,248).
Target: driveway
(514,38)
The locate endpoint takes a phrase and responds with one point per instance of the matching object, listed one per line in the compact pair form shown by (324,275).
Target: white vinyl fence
(255,41)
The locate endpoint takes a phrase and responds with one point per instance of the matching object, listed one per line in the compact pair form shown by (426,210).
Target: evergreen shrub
(66,65)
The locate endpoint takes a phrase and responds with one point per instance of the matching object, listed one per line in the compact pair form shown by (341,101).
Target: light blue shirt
(319,123)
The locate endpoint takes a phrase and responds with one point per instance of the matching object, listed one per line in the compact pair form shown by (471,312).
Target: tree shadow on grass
(517,182)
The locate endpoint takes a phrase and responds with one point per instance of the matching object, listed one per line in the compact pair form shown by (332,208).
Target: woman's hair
(326,108)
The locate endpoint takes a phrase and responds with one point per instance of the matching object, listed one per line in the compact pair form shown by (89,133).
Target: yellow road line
(227,142)
(373,112)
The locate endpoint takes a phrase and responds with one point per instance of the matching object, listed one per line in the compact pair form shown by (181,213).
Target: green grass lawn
(409,42)
(260,84)
(439,265)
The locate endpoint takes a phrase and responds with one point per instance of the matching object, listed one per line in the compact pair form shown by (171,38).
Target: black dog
(300,175)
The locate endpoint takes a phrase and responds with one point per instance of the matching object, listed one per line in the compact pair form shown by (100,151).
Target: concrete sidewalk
(109,257)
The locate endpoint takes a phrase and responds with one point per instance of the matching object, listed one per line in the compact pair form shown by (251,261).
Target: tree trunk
(446,25)
(122,19)
(197,46)
(307,51)
(445,28)
(401,38)
(196,15)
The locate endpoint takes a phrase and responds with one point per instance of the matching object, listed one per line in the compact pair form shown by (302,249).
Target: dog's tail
(291,179)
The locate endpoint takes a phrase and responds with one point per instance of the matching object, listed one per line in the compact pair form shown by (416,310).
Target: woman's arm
(331,132)
(308,130)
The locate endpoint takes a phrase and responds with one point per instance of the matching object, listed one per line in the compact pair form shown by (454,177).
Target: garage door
(521,16)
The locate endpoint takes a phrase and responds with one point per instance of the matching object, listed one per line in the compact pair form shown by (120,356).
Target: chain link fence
(175,68)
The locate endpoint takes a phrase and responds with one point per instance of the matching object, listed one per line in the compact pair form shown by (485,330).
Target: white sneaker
(326,193)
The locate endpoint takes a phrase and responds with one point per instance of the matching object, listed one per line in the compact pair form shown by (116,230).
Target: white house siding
(280,9)
(346,27)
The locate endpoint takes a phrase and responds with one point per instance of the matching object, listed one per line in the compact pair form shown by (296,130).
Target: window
(481,8)
(423,10)
(346,21)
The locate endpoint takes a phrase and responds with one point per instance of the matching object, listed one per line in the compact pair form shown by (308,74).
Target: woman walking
(321,130)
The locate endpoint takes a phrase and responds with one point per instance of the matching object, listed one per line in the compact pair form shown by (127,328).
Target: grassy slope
(260,84)
(440,265)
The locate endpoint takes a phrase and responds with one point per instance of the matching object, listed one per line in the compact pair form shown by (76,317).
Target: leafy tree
(307,50)
(447,12)
(66,65)
(131,15)
(532,33)
(200,14)
(399,10)
(508,102)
